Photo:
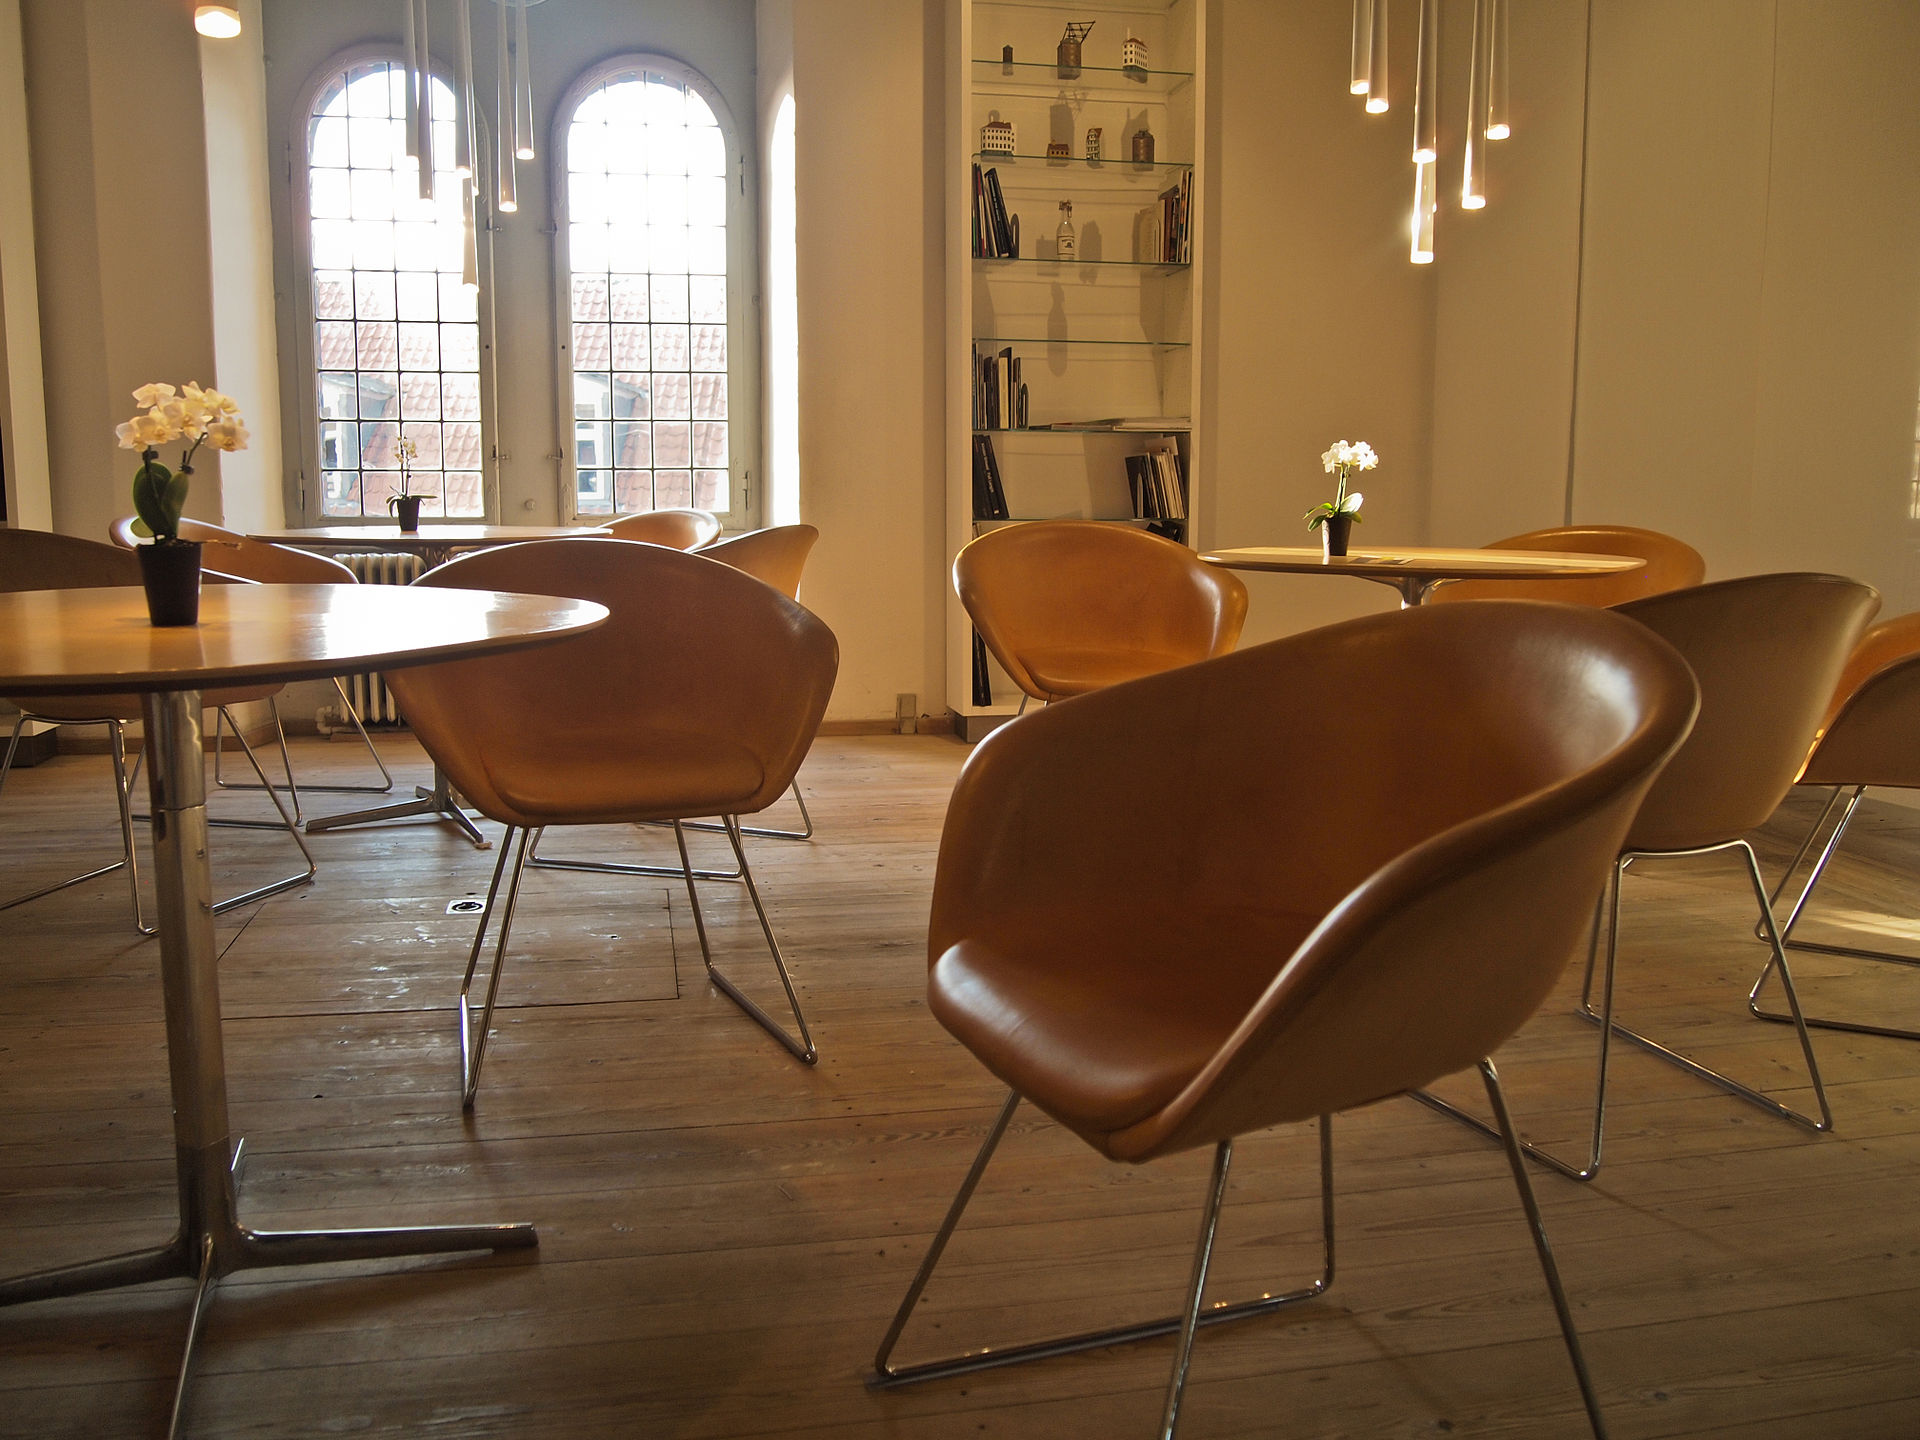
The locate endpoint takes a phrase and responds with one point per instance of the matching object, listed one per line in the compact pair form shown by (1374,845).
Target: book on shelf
(1157,482)
(982,677)
(1163,233)
(989,495)
(999,400)
(996,232)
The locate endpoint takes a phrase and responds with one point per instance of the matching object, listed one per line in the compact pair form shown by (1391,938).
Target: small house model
(996,136)
(1133,54)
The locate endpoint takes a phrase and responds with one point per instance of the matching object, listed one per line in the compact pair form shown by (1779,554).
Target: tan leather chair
(1871,736)
(1070,606)
(680,529)
(38,560)
(1767,651)
(232,553)
(1314,936)
(1672,564)
(700,696)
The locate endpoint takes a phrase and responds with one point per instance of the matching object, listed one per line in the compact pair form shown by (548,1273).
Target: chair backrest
(1388,833)
(42,560)
(776,556)
(1768,651)
(1672,564)
(232,553)
(679,529)
(692,647)
(1080,584)
(1868,737)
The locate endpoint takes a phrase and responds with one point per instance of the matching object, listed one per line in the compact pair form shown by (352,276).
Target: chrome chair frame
(1609,1027)
(1193,1316)
(473,1040)
(129,858)
(1827,852)
(329,789)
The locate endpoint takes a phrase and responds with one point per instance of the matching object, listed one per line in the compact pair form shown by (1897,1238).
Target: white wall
(23,421)
(1748,290)
(240,232)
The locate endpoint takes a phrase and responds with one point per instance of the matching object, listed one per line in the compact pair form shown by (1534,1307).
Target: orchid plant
(408,451)
(1341,461)
(190,415)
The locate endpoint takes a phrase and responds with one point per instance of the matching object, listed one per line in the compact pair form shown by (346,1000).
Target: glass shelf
(1002,341)
(1085,519)
(1030,75)
(1161,265)
(1113,164)
(1082,430)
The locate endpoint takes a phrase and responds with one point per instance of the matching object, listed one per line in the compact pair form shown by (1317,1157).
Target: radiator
(369,694)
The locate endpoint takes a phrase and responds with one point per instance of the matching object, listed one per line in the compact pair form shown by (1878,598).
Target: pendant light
(523,85)
(1499,125)
(463,103)
(1473,164)
(1426,87)
(1426,199)
(508,197)
(422,83)
(1377,60)
(1362,45)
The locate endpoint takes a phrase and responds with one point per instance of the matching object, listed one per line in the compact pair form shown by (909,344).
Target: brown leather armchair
(678,529)
(1767,651)
(1161,917)
(1069,606)
(700,696)
(39,560)
(1672,564)
(1868,738)
(232,553)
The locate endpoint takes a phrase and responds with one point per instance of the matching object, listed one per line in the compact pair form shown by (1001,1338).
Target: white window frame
(743,362)
(301,233)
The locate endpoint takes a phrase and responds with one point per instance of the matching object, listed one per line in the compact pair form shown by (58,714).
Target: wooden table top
(99,641)
(428,536)
(1424,562)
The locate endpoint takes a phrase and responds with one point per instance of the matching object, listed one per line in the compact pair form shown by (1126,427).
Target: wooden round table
(1413,570)
(433,543)
(78,642)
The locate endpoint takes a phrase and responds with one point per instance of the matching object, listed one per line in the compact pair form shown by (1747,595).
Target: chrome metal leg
(1196,1287)
(621,867)
(287,822)
(886,1375)
(1827,852)
(802,1049)
(196,1322)
(1806,844)
(1497,1098)
(765,832)
(210,1242)
(292,787)
(436,803)
(1611,901)
(128,856)
(473,1047)
(1779,961)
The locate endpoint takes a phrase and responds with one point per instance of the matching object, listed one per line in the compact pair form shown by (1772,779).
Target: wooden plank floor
(724,1233)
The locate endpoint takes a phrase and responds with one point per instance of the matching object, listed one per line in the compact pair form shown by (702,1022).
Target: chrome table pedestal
(211,1242)
(436,802)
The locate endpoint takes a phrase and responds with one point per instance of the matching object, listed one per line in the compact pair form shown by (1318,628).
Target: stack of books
(1158,483)
(989,496)
(1166,230)
(999,396)
(996,234)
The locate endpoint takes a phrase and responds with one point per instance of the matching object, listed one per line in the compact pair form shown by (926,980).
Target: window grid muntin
(646,298)
(396,336)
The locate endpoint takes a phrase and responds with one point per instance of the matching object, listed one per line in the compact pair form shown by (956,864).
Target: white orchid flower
(148,396)
(227,434)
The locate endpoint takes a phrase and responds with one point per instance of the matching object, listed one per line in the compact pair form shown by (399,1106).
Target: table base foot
(433,804)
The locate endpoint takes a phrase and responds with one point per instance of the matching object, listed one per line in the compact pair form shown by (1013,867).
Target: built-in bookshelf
(1072,377)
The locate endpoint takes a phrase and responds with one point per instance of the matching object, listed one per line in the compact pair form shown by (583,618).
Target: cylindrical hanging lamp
(1377,60)
(1473,164)
(1426,87)
(412,136)
(503,115)
(1499,122)
(469,243)
(1362,44)
(423,113)
(463,102)
(1426,199)
(522,85)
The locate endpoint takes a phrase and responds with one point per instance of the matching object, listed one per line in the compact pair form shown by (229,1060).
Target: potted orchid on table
(405,502)
(1335,518)
(170,566)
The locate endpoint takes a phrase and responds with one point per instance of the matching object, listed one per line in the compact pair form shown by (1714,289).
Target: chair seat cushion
(570,779)
(1075,671)
(1101,1019)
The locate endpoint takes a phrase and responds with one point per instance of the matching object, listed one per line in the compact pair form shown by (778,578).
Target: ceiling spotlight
(217,22)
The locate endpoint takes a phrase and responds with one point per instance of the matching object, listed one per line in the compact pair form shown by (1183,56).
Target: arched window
(645,174)
(396,336)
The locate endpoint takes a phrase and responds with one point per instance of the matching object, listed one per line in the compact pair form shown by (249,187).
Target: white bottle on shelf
(1064,244)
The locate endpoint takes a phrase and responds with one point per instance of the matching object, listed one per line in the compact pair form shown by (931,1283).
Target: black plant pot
(407,507)
(170,571)
(1334,534)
